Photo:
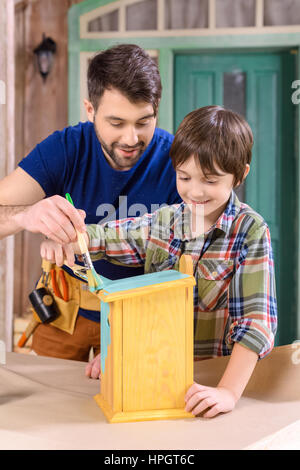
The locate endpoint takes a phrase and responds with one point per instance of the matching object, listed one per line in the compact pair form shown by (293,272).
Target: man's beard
(119,161)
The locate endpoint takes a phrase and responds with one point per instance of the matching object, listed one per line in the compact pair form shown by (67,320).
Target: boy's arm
(121,241)
(252,304)
(223,398)
(253,310)
(239,370)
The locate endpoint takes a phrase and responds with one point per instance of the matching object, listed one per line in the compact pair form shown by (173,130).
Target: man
(115,165)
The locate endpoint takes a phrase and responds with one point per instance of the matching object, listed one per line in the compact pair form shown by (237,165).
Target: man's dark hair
(214,136)
(129,69)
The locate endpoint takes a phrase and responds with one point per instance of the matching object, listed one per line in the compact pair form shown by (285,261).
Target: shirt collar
(225,220)
(181,221)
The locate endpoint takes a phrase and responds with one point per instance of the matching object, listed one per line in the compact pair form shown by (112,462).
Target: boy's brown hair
(216,137)
(129,69)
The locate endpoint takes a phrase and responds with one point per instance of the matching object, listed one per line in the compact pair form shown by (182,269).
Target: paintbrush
(94,281)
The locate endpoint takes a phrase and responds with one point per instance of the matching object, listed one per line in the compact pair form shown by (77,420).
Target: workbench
(47,403)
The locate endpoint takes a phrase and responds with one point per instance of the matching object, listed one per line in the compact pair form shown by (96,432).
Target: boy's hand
(217,399)
(57,253)
(92,370)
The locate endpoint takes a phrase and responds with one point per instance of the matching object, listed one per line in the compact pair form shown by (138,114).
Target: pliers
(64,284)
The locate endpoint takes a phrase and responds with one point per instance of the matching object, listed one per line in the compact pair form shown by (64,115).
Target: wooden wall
(41,108)
(7,156)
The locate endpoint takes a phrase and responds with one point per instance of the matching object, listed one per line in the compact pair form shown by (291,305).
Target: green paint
(120,285)
(142,281)
(105,334)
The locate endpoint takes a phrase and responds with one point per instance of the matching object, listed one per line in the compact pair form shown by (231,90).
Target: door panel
(255,85)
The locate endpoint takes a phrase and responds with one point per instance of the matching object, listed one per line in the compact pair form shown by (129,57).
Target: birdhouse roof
(138,285)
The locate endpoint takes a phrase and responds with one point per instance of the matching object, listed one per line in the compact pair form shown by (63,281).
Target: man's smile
(129,152)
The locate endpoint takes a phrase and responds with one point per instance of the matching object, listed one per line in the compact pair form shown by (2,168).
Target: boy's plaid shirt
(234,296)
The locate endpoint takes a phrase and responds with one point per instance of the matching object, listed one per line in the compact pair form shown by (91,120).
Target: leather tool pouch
(78,297)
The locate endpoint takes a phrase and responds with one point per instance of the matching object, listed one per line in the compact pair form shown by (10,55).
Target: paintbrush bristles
(91,280)
(94,280)
(84,251)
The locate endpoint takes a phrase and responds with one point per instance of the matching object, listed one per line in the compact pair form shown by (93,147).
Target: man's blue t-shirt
(72,161)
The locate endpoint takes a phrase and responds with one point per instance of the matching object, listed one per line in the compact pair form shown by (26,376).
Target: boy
(234,299)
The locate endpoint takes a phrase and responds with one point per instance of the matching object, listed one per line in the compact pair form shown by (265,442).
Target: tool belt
(78,297)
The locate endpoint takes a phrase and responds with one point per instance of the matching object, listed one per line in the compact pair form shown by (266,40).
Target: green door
(258,86)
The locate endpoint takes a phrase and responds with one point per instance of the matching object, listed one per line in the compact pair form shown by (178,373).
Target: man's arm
(17,191)
(23,207)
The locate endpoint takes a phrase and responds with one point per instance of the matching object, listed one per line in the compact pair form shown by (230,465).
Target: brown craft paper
(47,403)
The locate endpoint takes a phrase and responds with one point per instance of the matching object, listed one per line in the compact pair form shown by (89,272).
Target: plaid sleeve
(122,242)
(252,296)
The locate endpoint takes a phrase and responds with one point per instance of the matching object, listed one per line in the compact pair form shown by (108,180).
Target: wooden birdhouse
(147,345)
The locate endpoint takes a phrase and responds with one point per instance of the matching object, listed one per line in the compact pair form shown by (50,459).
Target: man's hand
(216,399)
(92,370)
(54,217)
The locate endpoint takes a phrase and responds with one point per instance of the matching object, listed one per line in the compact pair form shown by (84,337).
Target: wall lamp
(45,53)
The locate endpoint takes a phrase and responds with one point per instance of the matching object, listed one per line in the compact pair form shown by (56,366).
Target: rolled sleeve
(252,296)
(122,241)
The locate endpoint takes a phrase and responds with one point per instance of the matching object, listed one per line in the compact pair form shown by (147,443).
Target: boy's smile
(199,202)
(203,193)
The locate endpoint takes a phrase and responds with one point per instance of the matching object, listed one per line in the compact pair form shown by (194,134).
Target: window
(122,18)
